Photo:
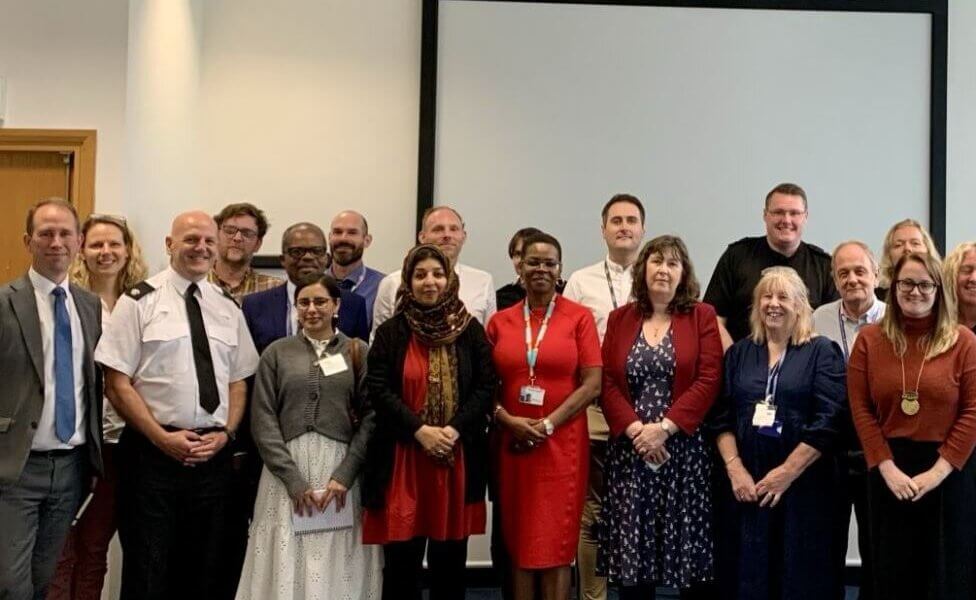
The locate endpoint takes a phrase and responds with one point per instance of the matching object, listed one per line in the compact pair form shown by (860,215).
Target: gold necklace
(909,398)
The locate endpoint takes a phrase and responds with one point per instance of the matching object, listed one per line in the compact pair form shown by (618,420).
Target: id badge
(532,395)
(765,415)
(332,364)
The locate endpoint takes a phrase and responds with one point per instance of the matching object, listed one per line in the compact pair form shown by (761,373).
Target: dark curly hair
(685,296)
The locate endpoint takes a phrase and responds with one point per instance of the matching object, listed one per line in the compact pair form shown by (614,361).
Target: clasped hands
(913,488)
(312,501)
(648,440)
(528,433)
(770,489)
(438,442)
(191,448)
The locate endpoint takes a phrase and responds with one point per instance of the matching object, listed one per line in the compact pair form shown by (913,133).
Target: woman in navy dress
(663,364)
(778,421)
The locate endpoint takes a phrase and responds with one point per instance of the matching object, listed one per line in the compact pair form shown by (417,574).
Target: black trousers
(854,479)
(172,522)
(403,569)
(923,550)
(245,475)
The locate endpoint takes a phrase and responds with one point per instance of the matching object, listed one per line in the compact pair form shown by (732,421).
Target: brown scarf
(437,327)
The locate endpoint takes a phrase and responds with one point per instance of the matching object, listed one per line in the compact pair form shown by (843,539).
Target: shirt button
(309,428)
(315,395)
(33,424)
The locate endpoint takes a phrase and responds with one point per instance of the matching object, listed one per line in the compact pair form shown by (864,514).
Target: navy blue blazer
(266,314)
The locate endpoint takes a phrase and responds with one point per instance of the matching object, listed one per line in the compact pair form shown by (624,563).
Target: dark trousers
(403,569)
(855,493)
(35,515)
(501,560)
(172,522)
(246,473)
(84,558)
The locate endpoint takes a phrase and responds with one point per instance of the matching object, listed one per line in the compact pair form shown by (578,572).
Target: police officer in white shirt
(855,273)
(176,353)
(443,227)
(602,287)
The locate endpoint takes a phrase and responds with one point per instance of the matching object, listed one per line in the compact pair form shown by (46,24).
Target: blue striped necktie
(64,371)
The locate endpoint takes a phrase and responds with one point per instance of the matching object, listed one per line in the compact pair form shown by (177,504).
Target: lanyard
(772,380)
(613,295)
(532,350)
(843,335)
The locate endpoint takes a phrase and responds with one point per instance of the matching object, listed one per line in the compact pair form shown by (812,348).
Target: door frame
(79,142)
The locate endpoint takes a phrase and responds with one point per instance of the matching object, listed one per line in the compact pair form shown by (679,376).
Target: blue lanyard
(843,335)
(772,379)
(532,349)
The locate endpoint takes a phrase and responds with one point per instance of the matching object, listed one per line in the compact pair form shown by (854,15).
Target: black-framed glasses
(298,252)
(907,285)
(232,230)
(319,303)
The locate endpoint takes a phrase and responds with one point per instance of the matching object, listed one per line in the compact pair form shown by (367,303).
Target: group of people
(616,419)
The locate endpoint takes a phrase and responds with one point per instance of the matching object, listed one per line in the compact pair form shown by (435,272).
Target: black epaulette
(140,290)
(229,296)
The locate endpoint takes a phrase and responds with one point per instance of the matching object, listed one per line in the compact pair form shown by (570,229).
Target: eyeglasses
(535,263)
(907,285)
(298,252)
(779,213)
(305,303)
(231,231)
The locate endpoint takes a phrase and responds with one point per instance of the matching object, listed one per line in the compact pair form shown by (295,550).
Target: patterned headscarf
(437,326)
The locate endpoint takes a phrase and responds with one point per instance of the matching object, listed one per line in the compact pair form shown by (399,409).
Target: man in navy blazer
(271,315)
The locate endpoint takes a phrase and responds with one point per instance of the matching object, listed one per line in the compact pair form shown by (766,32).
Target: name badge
(765,415)
(333,364)
(532,395)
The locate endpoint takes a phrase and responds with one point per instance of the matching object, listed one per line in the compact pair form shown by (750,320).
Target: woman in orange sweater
(912,388)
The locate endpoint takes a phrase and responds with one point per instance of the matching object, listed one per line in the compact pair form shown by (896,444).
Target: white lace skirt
(327,565)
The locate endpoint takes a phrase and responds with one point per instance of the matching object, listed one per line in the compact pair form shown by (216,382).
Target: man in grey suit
(51,403)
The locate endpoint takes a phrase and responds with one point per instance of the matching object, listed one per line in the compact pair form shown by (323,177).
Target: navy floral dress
(655,526)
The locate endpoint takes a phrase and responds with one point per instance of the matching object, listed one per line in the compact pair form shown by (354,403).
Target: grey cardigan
(293,397)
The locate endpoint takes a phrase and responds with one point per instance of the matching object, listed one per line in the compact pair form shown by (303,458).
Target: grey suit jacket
(22,374)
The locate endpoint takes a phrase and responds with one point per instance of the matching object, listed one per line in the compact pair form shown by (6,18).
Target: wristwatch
(231,434)
(550,428)
(667,429)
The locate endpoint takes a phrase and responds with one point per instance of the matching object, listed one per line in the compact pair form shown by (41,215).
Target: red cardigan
(698,366)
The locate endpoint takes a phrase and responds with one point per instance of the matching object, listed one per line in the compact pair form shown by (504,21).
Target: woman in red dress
(430,381)
(547,354)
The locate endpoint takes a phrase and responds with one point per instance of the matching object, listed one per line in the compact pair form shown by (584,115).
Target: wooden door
(26,176)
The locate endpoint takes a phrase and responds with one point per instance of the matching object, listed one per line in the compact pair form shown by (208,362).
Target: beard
(346,258)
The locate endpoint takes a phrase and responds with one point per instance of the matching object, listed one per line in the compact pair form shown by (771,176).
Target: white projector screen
(544,111)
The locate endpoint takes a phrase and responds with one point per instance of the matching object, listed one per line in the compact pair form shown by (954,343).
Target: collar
(320,345)
(354,275)
(181,283)
(870,316)
(215,278)
(45,285)
(615,268)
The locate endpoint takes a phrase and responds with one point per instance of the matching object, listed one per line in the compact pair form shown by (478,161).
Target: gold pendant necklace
(909,398)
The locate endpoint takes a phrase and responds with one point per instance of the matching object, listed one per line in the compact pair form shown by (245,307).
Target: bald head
(192,244)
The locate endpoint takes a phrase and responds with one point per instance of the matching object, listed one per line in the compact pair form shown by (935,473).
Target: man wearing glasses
(271,314)
(241,229)
(741,265)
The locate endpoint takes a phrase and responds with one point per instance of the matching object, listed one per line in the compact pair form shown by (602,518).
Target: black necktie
(202,360)
(347,284)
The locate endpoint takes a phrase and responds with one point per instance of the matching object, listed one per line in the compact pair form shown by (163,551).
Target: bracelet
(729,462)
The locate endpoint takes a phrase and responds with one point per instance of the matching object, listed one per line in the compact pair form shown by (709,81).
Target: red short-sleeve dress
(423,498)
(541,491)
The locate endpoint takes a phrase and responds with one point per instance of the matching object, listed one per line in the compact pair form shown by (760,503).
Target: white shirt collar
(614,267)
(181,283)
(45,285)
(869,316)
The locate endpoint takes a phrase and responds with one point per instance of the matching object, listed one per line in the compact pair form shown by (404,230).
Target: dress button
(315,395)
(309,428)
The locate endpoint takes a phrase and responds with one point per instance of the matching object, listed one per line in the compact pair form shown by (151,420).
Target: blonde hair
(887,274)
(135,269)
(946,331)
(950,269)
(782,279)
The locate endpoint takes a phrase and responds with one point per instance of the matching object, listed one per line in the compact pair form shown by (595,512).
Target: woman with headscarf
(430,382)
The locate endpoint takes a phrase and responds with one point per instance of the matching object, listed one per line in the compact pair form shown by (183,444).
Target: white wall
(961,192)
(65,64)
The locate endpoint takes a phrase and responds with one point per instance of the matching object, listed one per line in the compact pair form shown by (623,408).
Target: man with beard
(240,231)
(741,265)
(177,355)
(348,239)
(603,287)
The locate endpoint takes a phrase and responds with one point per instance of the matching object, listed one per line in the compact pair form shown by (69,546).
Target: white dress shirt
(46,438)
(589,287)
(828,317)
(148,339)
(477,291)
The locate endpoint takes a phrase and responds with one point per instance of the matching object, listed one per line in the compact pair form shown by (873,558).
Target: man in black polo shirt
(741,265)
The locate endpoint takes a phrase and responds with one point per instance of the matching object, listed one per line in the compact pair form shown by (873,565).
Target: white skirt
(326,565)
